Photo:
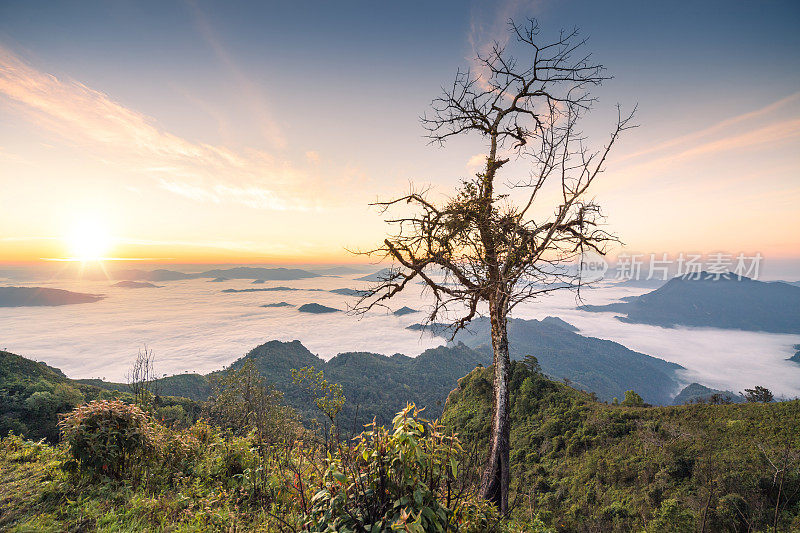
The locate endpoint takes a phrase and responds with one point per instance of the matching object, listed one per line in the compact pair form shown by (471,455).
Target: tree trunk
(494,483)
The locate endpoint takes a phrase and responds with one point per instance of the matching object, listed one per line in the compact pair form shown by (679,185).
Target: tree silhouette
(494,245)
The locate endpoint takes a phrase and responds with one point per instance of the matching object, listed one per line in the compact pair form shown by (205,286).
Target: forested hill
(33,395)
(589,466)
(376,386)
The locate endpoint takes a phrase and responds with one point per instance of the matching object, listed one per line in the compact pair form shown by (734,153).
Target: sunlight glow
(88,241)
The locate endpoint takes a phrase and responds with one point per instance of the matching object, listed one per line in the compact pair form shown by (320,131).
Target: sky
(216,132)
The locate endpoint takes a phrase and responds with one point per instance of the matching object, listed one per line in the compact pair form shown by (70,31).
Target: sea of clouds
(193,326)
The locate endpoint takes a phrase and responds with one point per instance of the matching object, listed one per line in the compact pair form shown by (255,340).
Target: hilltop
(577,464)
(697,393)
(589,466)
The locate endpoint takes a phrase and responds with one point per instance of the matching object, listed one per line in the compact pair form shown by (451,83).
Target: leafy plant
(406,479)
(242,402)
(106,437)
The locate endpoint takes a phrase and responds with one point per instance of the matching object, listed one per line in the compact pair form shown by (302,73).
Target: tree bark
(494,484)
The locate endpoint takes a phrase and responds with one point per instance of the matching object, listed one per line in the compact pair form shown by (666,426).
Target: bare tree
(141,377)
(483,247)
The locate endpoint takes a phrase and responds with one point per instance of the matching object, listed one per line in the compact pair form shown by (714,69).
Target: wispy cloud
(721,127)
(95,122)
(768,128)
(489,24)
(255,99)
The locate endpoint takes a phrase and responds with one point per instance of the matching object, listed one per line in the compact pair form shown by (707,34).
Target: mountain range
(726,302)
(273,274)
(604,367)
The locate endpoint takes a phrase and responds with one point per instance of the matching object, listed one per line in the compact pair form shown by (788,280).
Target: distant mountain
(266,289)
(696,393)
(338,271)
(258,281)
(317,308)
(193,386)
(595,365)
(135,285)
(348,292)
(154,275)
(218,280)
(273,274)
(42,296)
(378,385)
(732,303)
(405,311)
(278,304)
(380,275)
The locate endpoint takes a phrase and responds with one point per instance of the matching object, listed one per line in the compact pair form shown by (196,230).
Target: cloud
(718,128)
(769,128)
(187,190)
(94,122)
(255,100)
(475,162)
(489,25)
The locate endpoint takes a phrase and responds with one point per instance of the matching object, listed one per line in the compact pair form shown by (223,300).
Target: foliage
(758,394)
(632,399)
(671,517)
(242,401)
(589,466)
(203,478)
(328,397)
(406,479)
(32,395)
(107,437)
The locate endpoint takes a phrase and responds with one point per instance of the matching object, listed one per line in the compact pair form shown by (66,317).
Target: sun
(88,241)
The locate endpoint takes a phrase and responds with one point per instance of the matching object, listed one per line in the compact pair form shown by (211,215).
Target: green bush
(106,438)
(632,399)
(672,518)
(405,479)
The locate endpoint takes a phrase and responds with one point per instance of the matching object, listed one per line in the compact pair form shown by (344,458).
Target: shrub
(632,399)
(672,518)
(406,479)
(105,438)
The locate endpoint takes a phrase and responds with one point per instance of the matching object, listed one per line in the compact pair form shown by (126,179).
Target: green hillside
(589,466)
(193,386)
(33,395)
